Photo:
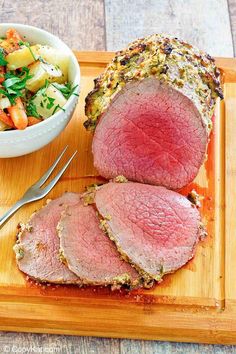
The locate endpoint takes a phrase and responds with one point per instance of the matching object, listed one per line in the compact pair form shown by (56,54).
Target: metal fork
(35,192)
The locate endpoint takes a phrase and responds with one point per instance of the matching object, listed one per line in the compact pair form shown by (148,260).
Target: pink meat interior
(150,133)
(155,227)
(41,244)
(89,252)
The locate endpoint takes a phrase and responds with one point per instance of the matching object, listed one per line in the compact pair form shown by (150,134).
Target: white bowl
(21,142)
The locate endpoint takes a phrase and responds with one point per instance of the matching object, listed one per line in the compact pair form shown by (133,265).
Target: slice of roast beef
(153,107)
(155,228)
(88,252)
(37,247)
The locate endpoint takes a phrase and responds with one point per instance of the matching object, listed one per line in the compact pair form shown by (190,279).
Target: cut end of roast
(150,133)
(155,228)
(89,252)
(37,247)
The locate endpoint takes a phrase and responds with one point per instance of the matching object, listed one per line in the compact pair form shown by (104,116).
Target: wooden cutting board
(196,304)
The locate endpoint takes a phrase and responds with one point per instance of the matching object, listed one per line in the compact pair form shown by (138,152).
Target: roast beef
(153,107)
(154,228)
(88,252)
(37,247)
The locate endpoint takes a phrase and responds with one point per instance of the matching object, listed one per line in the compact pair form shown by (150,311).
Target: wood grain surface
(230,190)
(204,23)
(81,23)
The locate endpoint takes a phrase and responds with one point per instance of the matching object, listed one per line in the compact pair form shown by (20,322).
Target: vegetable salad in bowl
(34,82)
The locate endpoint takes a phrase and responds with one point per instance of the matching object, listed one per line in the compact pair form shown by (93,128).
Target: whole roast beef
(154,228)
(88,252)
(37,247)
(152,109)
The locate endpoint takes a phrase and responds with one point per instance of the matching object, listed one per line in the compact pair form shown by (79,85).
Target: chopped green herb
(26,44)
(43,90)
(24,70)
(5,93)
(66,89)
(46,84)
(11,81)
(42,60)
(14,84)
(47,101)
(50,103)
(3,62)
(31,109)
(57,107)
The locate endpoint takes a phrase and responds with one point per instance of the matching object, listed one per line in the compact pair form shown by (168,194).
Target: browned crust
(155,55)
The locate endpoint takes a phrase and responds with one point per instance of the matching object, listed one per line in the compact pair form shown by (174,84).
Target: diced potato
(41,72)
(56,57)
(41,101)
(4,103)
(21,57)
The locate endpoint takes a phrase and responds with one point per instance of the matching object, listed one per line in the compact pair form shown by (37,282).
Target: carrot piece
(2,72)
(13,35)
(18,114)
(11,43)
(9,46)
(33,120)
(6,119)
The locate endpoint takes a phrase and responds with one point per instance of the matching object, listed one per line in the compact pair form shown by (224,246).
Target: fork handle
(10,212)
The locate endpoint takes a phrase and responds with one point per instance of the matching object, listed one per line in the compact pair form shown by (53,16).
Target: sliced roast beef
(155,228)
(153,107)
(88,252)
(37,247)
